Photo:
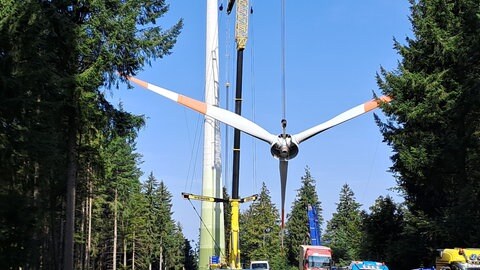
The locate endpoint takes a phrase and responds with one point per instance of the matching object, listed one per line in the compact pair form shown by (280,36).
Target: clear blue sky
(333,51)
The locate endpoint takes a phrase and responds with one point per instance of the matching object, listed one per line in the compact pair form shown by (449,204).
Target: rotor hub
(285,148)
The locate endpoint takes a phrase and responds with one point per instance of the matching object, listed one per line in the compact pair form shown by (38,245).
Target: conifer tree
(381,231)
(413,246)
(433,121)
(343,233)
(122,176)
(259,231)
(190,260)
(137,230)
(165,245)
(150,187)
(297,228)
(227,220)
(168,232)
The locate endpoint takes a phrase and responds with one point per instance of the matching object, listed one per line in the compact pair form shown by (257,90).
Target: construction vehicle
(313,225)
(234,258)
(241,36)
(315,257)
(458,259)
(367,265)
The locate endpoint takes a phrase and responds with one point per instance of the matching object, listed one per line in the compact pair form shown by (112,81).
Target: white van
(259,265)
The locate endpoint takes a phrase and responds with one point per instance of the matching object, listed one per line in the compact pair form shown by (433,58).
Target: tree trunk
(83,227)
(160,261)
(124,252)
(71,179)
(35,237)
(89,226)
(133,252)
(114,267)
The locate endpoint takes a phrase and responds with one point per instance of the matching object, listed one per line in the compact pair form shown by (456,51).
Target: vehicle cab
(259,265)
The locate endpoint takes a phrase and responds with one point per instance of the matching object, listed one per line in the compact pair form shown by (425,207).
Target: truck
(458,259)
(260,265)
(315,257)
(367,265)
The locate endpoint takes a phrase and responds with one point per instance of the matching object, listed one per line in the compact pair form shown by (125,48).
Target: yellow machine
(458,259)
(233,261)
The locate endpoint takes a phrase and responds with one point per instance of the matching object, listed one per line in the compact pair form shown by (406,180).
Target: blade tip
(138,81)
(373,104)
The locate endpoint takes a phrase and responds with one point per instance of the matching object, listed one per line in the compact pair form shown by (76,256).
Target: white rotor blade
(345,116)
(222,115)
(283,182)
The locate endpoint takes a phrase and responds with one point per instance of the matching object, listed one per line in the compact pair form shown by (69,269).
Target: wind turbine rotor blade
(222,115)
(343,117)
(283,182)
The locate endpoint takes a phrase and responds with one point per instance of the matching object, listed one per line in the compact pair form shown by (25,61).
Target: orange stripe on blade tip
(193,104)
(139,82)
(368,106)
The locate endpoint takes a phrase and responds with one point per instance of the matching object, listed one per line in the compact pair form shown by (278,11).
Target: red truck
(315,257)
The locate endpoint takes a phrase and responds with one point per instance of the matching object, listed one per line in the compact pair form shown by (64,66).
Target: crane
(313,225)
(234,258)
(241,36)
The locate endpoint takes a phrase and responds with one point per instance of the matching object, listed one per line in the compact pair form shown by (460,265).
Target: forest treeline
(70,189)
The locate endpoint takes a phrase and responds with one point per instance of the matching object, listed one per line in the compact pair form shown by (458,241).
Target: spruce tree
(433,121)
(297,228)
(381,231)
(149,189)
(168,239)
(190,260)
(122,177)
(137,230)
(413,247)
(227,220)
(343,233)
(259,230)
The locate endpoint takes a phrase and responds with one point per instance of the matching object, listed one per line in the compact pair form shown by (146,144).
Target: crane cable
(228,68)
(282,23)
(252,87)
(194,151)
(206,228)
(284,116)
